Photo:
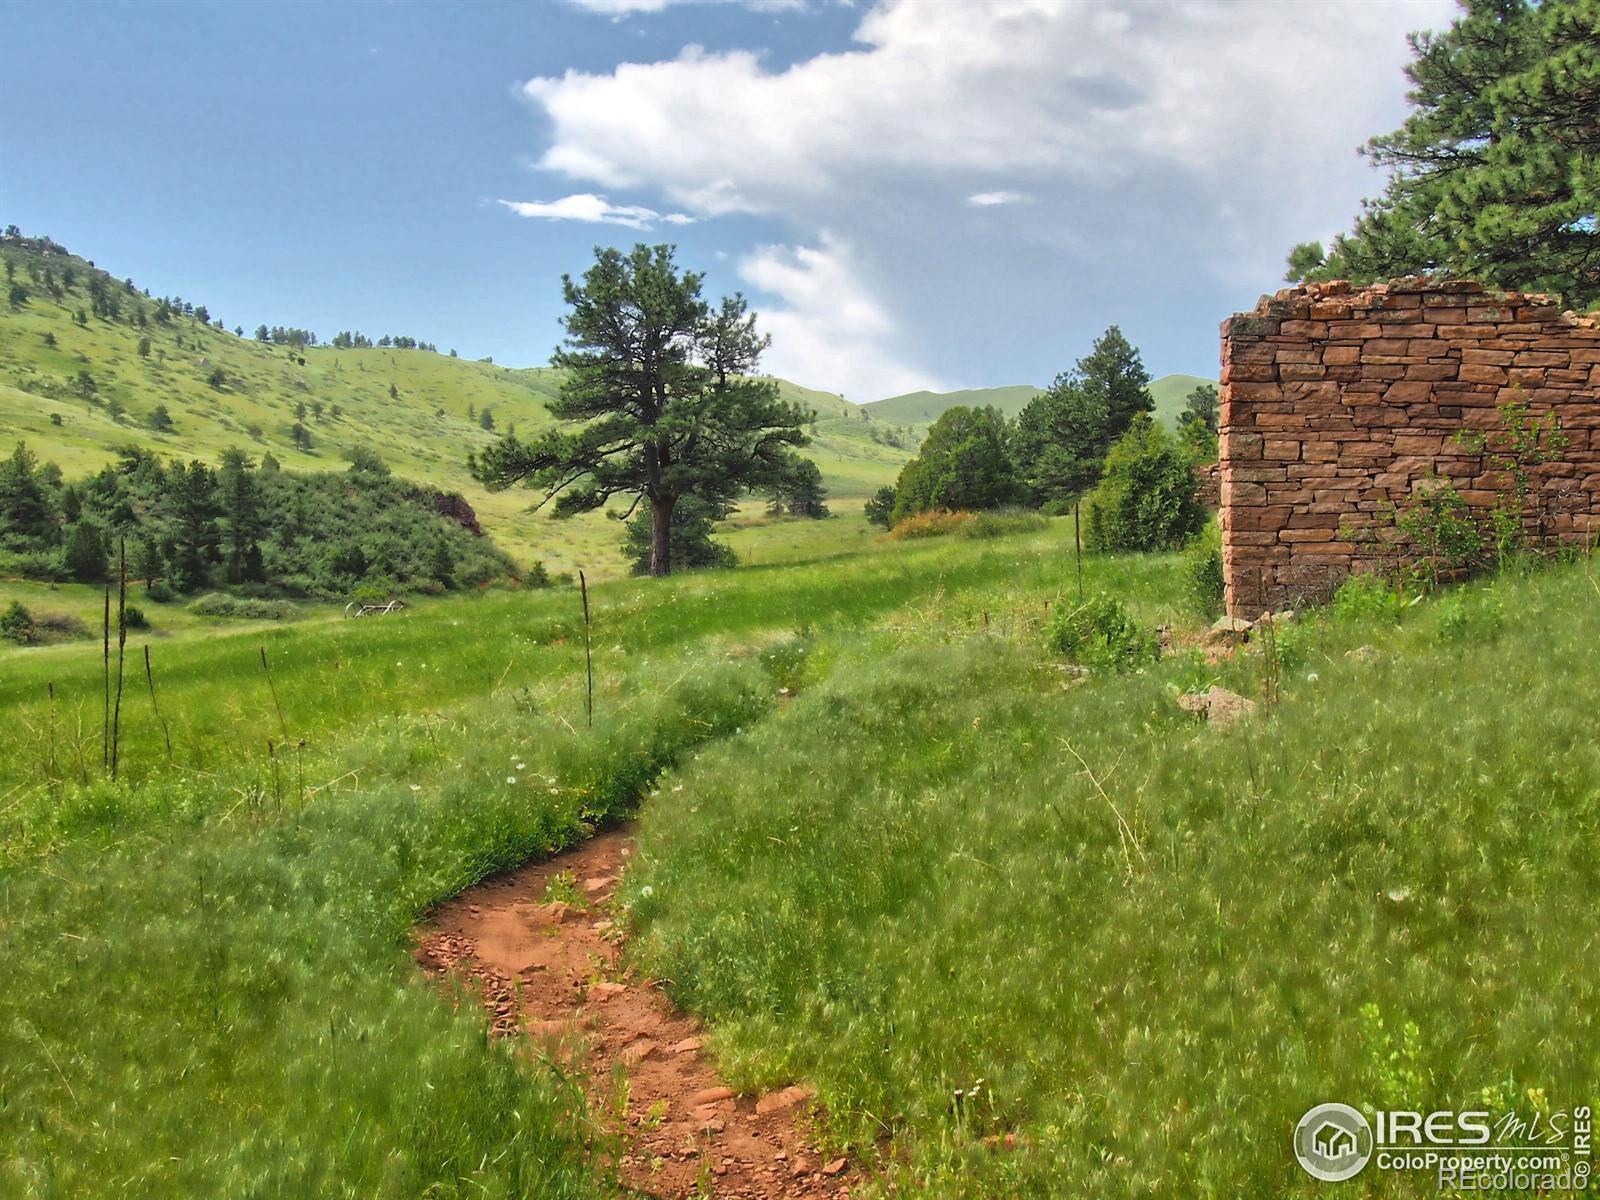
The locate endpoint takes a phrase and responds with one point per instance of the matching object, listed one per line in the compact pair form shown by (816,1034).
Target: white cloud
(617,9)
(829,332)
(1198,136)
(595,210)
(991,199)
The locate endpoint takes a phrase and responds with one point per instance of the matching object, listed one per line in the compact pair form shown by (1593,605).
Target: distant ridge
(923,408)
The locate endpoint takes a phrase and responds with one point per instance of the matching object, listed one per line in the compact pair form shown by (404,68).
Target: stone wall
(1340,403)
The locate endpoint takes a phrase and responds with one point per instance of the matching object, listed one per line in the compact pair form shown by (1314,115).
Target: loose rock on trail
(551,970)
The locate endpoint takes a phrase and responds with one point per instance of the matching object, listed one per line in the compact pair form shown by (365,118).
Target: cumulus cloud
(595,210)
(829,332)
(1202,132)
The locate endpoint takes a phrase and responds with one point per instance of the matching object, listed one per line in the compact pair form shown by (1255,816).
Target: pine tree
(85,559)
(242,524)
(1496,172)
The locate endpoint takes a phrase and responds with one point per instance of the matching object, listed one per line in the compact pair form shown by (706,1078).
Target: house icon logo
(1333,1142)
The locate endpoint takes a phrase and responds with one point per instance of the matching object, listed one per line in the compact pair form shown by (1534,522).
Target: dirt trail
(553,970)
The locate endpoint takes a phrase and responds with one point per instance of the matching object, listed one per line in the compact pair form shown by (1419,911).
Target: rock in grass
(1364,654)
(1217,705)
(1227,629)
(787,1098)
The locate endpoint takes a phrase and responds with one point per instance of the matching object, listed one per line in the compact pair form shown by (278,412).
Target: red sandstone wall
(1337,402)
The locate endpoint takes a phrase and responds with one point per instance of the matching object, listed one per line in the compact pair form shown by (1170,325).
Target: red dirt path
(552,972)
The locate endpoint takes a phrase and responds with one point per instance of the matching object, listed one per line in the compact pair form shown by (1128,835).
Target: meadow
(889,843)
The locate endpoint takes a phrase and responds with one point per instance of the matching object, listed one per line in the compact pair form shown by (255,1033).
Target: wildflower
(511,778)
(416,787)
(646,892)
(1312,677)
(520,766)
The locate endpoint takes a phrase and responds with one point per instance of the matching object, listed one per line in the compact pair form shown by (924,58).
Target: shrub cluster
(21,625)
(1101,633)
(966,524)
(254,528)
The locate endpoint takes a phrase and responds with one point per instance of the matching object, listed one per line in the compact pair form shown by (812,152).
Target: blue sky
(913,194)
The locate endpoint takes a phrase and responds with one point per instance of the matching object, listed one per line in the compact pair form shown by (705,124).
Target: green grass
(1155,944)
(425,432)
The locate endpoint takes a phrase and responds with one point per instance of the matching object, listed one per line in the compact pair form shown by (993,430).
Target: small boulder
(785,1099)
(636,1053)
(1217,705)
(1229,629)
(556,912)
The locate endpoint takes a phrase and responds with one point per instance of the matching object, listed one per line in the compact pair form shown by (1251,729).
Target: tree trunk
(661,536)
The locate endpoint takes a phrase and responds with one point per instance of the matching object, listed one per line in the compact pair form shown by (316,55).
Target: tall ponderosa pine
(191,504)
(26,522)
(1064,433)
(1496,174)
(660,387)
(242,523)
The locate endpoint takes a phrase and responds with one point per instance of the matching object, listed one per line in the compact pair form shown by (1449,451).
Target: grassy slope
(971,901)
(1170,392)
(923,408)
(425,433)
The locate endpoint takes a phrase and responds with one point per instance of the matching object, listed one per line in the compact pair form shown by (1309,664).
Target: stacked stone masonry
(1341,403)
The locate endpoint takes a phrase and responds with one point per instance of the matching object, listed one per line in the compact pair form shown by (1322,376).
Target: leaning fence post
(588,653)
(1077,542)
(105,674)
(122,643)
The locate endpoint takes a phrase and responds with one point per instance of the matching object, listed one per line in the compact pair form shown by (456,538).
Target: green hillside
(1171,391)
(76,391)
(920,409)
(923,408)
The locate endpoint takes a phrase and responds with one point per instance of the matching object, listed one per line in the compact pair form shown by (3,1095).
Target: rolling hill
(923,408)
(78,382)
(1171,392)
(917,410)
